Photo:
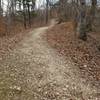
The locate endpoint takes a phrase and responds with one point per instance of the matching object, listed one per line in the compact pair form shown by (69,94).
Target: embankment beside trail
(84,54)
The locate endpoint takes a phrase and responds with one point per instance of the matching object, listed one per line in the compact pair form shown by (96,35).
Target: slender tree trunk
(92,12)
(82,23)
(24,14)
(19,6)
(60,11)
(93,7)
(0,9)
(33,4)
(47,7)
(29,14)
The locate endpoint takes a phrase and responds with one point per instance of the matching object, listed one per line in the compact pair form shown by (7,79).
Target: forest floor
(84,54)
(34,70)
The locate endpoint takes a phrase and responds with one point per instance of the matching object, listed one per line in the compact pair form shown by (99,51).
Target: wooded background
(18,14)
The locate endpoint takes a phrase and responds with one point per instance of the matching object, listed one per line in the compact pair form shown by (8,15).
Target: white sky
(39,3)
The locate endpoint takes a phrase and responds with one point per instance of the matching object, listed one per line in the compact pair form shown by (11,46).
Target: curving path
(34,71)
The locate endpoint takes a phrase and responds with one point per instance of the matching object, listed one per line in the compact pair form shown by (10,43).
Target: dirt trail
(34,71)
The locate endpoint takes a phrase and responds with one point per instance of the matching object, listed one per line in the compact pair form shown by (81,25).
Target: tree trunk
(82,23)
(0,9)
(47,7)
(92,12)
(29,14)
(24,14)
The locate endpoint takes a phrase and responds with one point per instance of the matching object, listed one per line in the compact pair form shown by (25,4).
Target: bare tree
(47,7)
(1,9)
(82,22)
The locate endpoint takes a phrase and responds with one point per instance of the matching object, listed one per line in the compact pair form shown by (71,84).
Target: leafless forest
(49,49)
